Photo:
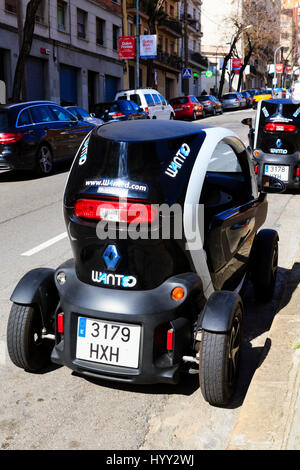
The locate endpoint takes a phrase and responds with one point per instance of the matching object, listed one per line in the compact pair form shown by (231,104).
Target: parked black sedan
(121,110)
(35,134)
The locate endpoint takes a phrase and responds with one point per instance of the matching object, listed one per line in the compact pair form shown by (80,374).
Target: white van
(155,105)
(296,91)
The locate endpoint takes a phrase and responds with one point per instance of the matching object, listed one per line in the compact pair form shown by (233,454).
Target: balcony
(199,59)
(171,26)
(171,60)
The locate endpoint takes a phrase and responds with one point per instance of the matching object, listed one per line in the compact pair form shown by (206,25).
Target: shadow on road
(258,319)
(8,176)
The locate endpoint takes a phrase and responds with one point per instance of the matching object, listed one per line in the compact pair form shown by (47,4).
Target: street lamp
(241,31)
(275,77)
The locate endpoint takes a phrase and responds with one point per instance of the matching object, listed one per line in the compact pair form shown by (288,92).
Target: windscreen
(157,171)
(284,118)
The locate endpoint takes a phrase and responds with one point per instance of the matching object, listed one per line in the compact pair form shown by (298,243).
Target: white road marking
(46,244)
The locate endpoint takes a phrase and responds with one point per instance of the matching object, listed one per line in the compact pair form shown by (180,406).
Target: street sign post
(186,73)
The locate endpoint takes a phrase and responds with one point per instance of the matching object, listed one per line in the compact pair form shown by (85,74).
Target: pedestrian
(204,92)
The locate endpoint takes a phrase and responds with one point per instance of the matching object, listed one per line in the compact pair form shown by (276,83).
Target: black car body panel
(277,141)
(28,125)
(121,110)
(126,283)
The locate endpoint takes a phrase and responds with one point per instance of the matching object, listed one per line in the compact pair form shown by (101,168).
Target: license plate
(111,343)
(178,109)
(278,171)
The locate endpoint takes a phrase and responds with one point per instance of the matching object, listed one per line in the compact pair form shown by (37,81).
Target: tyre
(194,116)
(171,117)
(44,163)
(219,361)
(26,347)
(203,114)
(214,112)
(264,264)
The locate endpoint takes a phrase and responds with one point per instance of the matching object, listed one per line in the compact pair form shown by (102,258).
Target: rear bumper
(155,311)
(292,161)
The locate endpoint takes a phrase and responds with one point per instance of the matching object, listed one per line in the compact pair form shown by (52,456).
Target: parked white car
(296,91)
(155,105)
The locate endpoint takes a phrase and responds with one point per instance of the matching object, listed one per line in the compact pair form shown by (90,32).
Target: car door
(72,131)
(233,211)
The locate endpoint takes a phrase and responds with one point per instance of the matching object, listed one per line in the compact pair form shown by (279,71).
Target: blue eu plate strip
(82,327)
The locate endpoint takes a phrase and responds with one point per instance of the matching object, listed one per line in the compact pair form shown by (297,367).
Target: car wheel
(214,112)
(194,116)
(171,117)
(203,113)
(264,264)
(26,347)
(219,361)
(44,163)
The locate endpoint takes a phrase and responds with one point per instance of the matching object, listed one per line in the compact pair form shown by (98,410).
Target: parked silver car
(232,101)
(83,115)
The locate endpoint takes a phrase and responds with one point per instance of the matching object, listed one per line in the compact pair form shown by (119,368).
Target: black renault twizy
(275,141)
(163,221)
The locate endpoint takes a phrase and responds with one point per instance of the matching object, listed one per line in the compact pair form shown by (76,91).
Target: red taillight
(170,335)
(237,99)
(147,110)
(296,171)
(256,169)
(113,211)
(60,323)
(279,127)
(10,137)
(116,115)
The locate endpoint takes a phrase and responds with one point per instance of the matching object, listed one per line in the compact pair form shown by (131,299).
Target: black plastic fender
(219,310)
(38,287)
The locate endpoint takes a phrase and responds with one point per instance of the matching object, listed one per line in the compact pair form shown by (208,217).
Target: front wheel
(26,346)
(219,361)
(171,117)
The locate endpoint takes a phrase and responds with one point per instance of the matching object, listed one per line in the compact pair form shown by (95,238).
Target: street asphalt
(60,410)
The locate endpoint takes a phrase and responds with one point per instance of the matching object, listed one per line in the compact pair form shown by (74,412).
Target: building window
(172,11)
(100,30)
(172,47)
(115,37)
(167,45)
(11,6)
(40,13)
(61,15)
(81,23)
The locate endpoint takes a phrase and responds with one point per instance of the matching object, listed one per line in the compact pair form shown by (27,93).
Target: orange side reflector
(178,293)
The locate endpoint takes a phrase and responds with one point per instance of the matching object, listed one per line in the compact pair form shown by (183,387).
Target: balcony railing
(172,24)
(172,60)
(199,58)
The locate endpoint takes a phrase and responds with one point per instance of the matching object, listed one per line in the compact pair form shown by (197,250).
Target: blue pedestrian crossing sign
(187,73)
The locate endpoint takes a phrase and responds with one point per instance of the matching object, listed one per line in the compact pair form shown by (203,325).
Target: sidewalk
(270,415)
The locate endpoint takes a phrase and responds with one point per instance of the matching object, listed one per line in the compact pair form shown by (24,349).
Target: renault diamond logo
(278,143)
(111,257)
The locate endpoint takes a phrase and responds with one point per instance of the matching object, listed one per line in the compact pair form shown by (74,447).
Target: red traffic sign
(279,68)
(126,47)
(289,70)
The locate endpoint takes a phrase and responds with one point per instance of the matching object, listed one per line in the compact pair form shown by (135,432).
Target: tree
(154,9)
(25,48)
(258,26)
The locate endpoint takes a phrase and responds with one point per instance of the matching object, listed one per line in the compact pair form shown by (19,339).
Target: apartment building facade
(74,54)
(167,66)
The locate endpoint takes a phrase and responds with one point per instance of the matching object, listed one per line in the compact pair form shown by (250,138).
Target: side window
(163,100)
(42,114)
(156,98)
(149,100)
(224,160)
(136,98)
(24,118)
(62,115)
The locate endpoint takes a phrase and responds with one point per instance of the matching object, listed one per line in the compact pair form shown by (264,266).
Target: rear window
(176,101)
(4,120)
(136,98)
(203,98)
(143,170)
(125,106)
(149,99)
(229,96)
(42,114)
(123,97)
(163,100)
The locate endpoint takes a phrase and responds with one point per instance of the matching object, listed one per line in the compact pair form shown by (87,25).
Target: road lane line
(46,244)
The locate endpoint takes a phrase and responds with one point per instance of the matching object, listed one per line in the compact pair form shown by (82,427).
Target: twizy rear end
(276,141)
(162,218)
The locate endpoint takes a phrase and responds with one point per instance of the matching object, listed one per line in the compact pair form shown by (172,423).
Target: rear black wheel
(26,346)
(219,361)
(264,264)
(44,164)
